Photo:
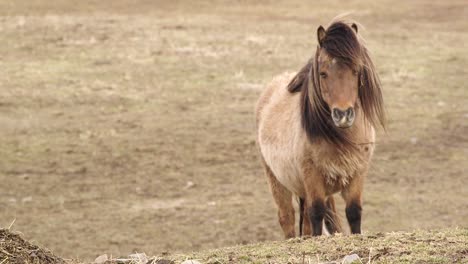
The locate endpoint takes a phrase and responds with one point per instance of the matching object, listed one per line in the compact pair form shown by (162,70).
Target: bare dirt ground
(128,125)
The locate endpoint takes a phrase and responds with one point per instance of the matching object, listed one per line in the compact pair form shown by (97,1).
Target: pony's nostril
(350,113)
(337,114)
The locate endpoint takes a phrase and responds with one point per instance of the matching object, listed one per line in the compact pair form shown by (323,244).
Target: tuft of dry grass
(14,249)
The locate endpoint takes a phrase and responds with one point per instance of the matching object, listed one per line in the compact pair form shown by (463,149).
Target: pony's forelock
(341,42)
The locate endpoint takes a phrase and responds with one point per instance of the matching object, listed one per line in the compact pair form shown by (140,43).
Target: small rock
(27,199)
(349,259)
(414,140)
(101,259)
(189,185)
(139,258)
(191,261)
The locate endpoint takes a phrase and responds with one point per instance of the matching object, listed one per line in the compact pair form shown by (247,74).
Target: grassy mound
(14,249)
(422,246)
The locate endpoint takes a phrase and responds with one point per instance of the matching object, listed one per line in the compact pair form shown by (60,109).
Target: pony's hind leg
(283,200)
(332,222)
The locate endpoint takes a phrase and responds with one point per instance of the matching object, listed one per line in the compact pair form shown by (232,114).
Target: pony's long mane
(340,42)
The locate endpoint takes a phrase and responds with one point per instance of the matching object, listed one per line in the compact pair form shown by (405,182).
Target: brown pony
(316,132)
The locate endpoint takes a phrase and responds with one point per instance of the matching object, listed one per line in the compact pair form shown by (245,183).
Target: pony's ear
(354,26)
(320,34)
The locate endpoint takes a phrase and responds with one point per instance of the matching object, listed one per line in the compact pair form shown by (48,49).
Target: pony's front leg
(315,199)
(352,195)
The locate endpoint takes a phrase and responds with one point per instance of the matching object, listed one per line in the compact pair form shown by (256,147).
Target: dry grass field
(128,125)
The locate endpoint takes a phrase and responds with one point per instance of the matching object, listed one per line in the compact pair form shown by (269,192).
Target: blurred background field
(128,125)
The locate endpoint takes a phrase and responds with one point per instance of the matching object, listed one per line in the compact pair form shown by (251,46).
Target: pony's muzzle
(343,118)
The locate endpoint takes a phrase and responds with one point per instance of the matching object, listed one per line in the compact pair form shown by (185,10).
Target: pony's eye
(355,72)
(323,75)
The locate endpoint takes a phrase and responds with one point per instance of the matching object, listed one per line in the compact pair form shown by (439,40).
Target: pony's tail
(331,219)
(301,214)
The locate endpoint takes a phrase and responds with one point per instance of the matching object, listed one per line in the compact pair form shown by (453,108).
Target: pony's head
(338,68)
(338,85)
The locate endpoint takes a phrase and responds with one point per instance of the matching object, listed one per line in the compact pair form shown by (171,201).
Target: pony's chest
(338,169)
